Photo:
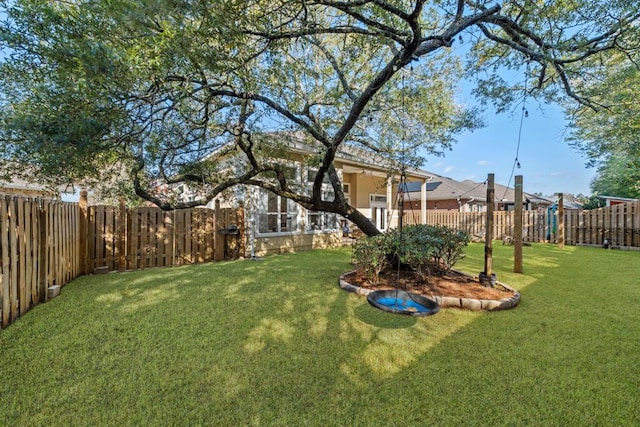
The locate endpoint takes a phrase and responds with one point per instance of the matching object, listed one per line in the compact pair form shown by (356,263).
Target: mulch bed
(451,284)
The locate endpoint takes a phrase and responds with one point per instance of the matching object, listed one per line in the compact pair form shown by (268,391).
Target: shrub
(371,255)
(416,246)
(425,248)
(450,247)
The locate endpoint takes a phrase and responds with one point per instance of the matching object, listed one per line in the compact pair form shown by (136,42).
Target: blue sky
(548,164)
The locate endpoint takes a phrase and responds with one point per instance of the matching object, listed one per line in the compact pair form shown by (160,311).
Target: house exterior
(19,187)
(612,201)
(275,224)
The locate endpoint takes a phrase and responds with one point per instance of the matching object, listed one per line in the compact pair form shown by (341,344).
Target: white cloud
(449,169)
(483,163)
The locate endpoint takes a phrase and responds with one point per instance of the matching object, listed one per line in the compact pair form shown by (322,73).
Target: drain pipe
(252,240)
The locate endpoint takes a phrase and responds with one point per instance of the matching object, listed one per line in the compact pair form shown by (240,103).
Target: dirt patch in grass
(451,284)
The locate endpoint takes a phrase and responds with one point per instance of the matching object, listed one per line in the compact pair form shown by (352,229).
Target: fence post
(218,239)
(560,221)
(517,238)
(42,253)
(488,242)
(83,204)
(5,277)
(122,236)
(13,259)
(242,236)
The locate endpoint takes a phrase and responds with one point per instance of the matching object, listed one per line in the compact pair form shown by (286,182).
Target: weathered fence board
(149,237)
(5,288)
(619,224)
(38,248)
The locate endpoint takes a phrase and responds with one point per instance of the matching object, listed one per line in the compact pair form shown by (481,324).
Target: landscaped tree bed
(451,284)
(419,260)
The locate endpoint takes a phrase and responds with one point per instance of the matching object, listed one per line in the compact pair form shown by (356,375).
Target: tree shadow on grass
(226,344)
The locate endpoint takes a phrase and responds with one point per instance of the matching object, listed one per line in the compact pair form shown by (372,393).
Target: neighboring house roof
(617,199)
(444,188)
(19,186)
(568,202)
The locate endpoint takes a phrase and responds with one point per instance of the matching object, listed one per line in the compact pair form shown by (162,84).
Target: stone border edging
(468,303)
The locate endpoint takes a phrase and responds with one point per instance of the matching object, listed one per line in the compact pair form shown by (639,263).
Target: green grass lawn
(276,342)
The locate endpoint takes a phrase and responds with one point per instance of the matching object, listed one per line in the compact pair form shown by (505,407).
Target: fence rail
(46,243)
(619,224)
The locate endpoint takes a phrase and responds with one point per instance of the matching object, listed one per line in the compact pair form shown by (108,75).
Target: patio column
(392,212)
(423,202)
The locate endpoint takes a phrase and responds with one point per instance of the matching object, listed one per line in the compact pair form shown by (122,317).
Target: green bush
(450,247)
(425,248)
(371,256)
(416,246)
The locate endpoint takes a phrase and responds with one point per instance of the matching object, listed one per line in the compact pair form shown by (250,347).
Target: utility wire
(467,192)
(524,113)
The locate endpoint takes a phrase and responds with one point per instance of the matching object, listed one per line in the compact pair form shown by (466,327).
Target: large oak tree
(165,90)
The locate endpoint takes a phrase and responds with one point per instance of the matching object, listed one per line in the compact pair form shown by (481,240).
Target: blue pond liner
(401,302)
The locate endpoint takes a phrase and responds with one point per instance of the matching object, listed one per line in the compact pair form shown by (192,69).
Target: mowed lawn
(277,342)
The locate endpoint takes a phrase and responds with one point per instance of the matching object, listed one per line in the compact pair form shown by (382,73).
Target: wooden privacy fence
(45,244)
(130,239)
(619,224)
(39,249)
(535,228)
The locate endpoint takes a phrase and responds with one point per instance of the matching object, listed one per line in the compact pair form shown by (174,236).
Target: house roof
(618,199)
(444,188)
(416,187)
(17,185)
(352,156)
(438,187)
(20,186)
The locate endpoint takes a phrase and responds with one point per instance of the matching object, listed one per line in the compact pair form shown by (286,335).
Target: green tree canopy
(161,90)
(618,176)
(609,134)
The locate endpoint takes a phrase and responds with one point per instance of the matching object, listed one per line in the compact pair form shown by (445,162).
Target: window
(378,205)
(280,215)
(346,189)
(316,220)
(322,221)
(277,214)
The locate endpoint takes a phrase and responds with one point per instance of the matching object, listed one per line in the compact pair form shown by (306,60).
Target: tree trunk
(363,223)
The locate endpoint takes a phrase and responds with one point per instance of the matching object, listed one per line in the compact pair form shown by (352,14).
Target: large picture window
(280,215)
(316,220)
